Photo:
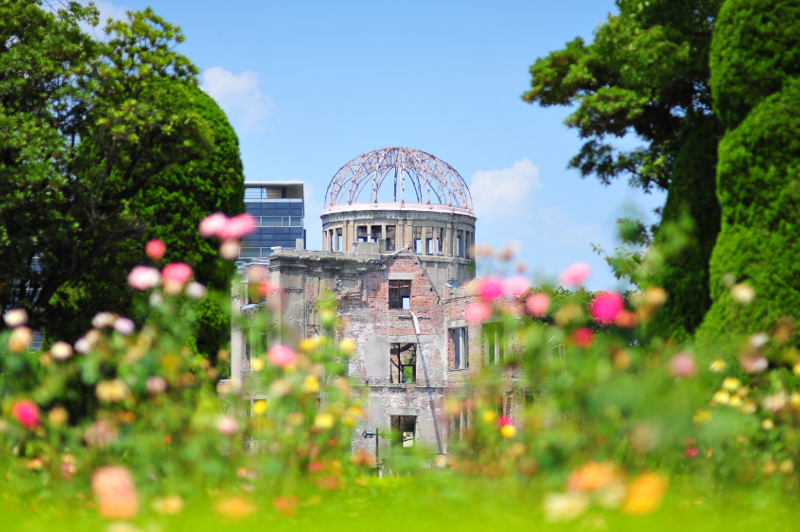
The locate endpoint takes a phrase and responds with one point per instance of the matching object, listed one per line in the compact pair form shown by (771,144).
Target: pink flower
(575,274)
(124,326)
(282,356)
(515,286)
(583,337)
(265,288)
(477,312)
(177,272)
(26,412)
(227,425)
(237,227)
(682,365)
(489,288)
(504,420)
(538,304)
(691,452)
(116,493)
(143,277)
(155,249)
(752,363)
(212,224)
(606,306)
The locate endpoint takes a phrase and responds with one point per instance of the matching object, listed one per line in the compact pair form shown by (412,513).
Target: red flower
(583,337)
(26,412)
(691,452)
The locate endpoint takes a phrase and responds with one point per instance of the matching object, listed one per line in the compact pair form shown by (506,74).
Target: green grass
(442,502)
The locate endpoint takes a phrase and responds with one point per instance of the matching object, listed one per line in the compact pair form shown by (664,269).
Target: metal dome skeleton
(415,177)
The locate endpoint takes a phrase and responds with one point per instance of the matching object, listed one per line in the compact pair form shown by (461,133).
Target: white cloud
(507,192)
(247,108)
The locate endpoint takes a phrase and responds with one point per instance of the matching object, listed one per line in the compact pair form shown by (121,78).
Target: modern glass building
(278,209)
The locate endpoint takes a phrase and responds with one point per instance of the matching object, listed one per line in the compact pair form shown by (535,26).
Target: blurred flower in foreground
(682,365)
(515,286)
(169,505)
(565,506)
(61,350)
(282,356)
(116,493)
(743,293)
(718,366)
(26,412)
(143,278)
(606,306)
(575,274)
(235,508)
(20,339)
(645,494)
(227,425)
(286,506)
(753,363)
(538,304)
(593,476)
(477,312)
(489,288)
(155,249)
(583,337)
(16,317)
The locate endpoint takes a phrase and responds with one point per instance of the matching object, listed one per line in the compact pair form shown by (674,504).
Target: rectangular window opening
(376,233)
(404,430)
(403,364)
(391,232)
(493,333)
(361,233)
(400,294)
(460,342)
(338,240)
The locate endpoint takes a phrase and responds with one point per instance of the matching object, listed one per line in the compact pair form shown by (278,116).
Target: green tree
(646,76)
(755,66)
(89,130)
(170,207)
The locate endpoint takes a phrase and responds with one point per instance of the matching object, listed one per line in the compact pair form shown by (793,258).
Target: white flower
(61,350)
(565,506)
(16,317)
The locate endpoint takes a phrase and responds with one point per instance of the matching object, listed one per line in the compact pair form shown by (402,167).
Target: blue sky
(310,85)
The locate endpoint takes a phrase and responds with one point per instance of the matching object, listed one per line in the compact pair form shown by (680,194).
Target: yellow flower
(786,467)
(749,407)
(794,400)
(718,366)
(702,417)
(508,431)
(796,369)
(260,407)
(111,391)
(324,421)
(347,345)
(489,417)
(731,384)
(735,401)
(351,416)
(311,384)
(721,397)
(769,467)
(306,345)
(767,424)
(256,364)
(645,494)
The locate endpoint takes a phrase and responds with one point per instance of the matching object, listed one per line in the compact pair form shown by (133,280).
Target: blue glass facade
(278,209)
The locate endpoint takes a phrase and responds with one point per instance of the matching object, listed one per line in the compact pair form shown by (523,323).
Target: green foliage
(86,129)
(646,74)
(170,207)
(684,272)
(755,51)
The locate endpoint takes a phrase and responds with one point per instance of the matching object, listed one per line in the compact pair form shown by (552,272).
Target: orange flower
(592,476)
(116,493)
(645,494)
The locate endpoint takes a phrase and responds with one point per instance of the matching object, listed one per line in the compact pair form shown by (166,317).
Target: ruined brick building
(398,237)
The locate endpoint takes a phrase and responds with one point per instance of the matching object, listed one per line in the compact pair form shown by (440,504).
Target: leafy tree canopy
(646,73)
(91,133)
